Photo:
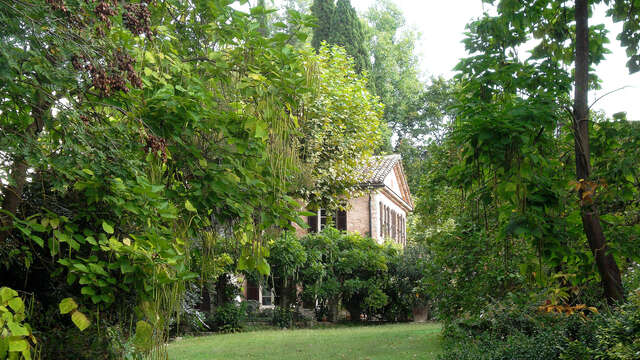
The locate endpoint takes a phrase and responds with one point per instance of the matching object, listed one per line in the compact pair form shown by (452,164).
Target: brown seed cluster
(137,18)
(99,79)
(104,10)
(85,119)
(58,5)
(112,78)
(156,145)
(125,64)
(78,62)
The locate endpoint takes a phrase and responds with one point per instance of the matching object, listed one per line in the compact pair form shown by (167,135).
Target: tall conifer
(323,11)
(346,31)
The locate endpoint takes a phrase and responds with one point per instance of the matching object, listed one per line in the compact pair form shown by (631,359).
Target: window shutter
(381,220)
(252,290)
(312,221)
(341,220)
(393,226)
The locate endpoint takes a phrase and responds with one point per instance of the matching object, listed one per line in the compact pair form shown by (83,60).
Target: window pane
(267,297)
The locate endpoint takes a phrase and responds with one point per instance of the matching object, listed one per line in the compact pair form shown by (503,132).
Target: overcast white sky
(442,24)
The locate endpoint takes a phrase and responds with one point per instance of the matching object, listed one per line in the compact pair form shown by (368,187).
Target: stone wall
(358,215)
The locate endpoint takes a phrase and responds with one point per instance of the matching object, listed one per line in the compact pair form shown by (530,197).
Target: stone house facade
(379,212)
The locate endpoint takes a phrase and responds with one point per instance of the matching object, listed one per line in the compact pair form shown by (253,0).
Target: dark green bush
(344,267)
(618,336)
(229,317)
(282,317)
(510,332)
(405,286)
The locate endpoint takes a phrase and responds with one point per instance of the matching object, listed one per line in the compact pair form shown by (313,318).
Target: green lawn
(399,341)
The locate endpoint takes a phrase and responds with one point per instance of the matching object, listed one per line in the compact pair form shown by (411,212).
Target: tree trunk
(332,310)
(355,310)
(12,193)
(607,267)
(262,28)
(205,299)
(222,293)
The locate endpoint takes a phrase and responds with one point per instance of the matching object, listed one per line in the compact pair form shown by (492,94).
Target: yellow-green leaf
(18,345)
(80,319)
(67,305)
(107,228)
(189,206)
(16,304)
(143,340)
(6,294)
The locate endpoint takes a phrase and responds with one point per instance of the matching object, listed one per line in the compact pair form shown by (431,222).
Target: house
(379,212)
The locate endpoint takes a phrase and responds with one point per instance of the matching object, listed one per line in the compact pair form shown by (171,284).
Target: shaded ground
(398,341)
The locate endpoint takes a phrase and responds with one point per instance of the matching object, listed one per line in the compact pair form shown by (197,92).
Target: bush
(229,317)
(405,286)
(618,336)
(506,331)
(282,317)
(344,267)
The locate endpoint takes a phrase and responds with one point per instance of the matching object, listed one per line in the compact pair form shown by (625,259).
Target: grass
(398,341)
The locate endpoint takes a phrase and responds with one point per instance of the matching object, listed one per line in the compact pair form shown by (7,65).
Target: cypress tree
(323,11)
(346,31)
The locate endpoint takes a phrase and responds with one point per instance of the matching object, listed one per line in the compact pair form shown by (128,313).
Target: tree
(347,268)
(122,152)
(607,265)
(40,65)
(323,11)
(587,48)
(565,39)
(340,128)
(346,31)
(394,73)
(286,257)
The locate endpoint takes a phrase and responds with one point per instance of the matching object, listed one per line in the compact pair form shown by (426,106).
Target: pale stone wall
(379,197)
(391,181)
(358,215)
(300,232)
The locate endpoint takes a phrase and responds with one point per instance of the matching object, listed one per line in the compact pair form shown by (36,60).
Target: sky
(442,25)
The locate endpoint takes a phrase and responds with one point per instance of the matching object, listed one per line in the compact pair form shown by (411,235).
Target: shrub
(405,285)
(618,336)
(229,317)
(282,317)
(347,267)
(507,331)
(253,310)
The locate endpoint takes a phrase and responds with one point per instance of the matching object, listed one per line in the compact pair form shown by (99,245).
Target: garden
(158,159)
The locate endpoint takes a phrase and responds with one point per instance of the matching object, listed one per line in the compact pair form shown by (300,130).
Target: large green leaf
(80,320)
(67,305)
(107,228)
(6,294)
(189,206)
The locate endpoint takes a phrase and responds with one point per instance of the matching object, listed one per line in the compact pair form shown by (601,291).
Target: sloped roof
(377,169)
